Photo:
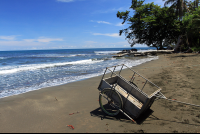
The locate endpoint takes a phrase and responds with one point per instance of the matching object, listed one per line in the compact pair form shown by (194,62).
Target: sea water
(24,71)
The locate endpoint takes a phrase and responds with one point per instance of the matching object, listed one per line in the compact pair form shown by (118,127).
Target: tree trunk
(199,42)
(187,41)
(161,47)
(178,43)
(188,44)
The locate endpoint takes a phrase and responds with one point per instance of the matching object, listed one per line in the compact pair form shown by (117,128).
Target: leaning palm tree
(178,5)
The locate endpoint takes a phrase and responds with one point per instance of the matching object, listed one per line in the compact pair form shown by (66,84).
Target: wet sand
(52,109)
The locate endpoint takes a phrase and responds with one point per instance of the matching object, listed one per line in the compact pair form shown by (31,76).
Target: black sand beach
(52,109)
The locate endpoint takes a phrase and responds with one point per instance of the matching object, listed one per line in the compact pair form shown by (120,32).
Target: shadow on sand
(120,117)
(183,55)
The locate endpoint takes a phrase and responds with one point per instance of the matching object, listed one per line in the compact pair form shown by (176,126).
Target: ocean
(24,71)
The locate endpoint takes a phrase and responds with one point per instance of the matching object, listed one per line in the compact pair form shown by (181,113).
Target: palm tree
(181,6)
(193,5)
(178,5)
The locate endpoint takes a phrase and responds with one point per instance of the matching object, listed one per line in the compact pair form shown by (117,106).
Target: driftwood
(178,43)
(152,52)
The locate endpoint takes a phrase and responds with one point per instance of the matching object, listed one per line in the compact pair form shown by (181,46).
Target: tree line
(176,25)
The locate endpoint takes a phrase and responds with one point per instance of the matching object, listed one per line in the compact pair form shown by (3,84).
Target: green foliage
(150,25)
(192,5)
(136,3)
(196,49)
(191,22)
(123,15)
(159,27)
(180,7)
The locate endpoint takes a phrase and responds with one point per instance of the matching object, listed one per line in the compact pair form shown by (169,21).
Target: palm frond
(169,2)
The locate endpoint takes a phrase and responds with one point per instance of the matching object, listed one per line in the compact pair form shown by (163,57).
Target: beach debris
(70,126)
(74,113)
(107,126)
(140,131)
(133,121)
(186,121)
(198,116)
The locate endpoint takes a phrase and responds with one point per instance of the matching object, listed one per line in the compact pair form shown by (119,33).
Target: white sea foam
(46,55)
(68,79)
(105,52)
(73,55)
(7,70)
(48,83)
(1,58)
(131,63)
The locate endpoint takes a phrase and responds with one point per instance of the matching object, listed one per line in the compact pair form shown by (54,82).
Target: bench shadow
(120,117)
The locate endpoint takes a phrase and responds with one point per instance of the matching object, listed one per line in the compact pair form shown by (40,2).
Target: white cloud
(12,37)
(108,34)
(20,43)
(49,39)
(103,22)
(11,41)
(65,0)
(43,39)
(29,40)
(100,22)
(119,24)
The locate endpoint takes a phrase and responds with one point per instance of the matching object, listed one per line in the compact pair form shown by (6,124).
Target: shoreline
(38,87)
(48,109)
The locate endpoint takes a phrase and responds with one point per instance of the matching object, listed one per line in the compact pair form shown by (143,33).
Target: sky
(63,24)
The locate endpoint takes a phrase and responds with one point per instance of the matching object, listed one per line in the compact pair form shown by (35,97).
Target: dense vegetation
(178,24)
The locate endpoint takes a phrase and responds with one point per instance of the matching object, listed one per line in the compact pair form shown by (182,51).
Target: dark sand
(47,110)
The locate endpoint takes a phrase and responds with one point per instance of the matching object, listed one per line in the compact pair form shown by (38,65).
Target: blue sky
(62,24)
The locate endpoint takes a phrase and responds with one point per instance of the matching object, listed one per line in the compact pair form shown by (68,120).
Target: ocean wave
(141,61)
(49,83)
(2,58)
(74,55)
(68,79)
(7,70)
(105,52)
(45,56)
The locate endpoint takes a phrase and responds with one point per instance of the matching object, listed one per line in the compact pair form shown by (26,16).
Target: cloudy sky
(62,24)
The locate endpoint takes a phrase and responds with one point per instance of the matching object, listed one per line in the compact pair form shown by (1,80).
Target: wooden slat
(129,97)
